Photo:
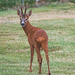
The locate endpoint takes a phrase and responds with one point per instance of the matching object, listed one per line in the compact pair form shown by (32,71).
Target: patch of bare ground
(53,15)
(41,16)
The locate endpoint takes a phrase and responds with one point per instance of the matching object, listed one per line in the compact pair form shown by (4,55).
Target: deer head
(23,16)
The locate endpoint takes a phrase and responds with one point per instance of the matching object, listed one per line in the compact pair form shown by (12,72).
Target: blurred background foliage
(5,4)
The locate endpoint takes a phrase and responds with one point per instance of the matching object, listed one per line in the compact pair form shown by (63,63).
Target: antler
(26,7)
(18,11)
(21,10)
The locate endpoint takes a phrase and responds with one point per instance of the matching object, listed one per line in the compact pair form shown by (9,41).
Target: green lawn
(15,50)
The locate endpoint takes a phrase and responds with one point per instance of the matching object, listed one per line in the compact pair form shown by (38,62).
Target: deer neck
(27,28)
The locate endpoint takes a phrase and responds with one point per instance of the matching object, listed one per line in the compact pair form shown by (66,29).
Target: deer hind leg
(39,57)
(40,63)
(45,47)
(32,54)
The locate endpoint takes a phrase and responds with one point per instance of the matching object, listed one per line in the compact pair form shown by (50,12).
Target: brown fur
(37,39)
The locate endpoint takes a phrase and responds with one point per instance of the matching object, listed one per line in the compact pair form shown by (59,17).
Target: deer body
(37,39)
(35,34)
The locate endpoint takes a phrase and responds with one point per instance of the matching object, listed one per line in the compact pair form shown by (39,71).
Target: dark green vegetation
(49,8)
(5,4)
(15,50)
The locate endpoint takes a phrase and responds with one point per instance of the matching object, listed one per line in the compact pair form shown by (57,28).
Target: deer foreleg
(32,54)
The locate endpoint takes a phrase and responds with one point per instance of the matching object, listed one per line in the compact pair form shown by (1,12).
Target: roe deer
(37,38)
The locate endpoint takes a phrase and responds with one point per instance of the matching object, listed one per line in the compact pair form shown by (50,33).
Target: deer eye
(26,19)
(20,19)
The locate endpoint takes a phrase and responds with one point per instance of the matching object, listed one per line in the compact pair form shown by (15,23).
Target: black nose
(22,24)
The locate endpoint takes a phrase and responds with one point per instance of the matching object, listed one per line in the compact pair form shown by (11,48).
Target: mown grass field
(15,50)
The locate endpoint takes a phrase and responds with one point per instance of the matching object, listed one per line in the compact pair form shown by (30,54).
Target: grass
(15,49)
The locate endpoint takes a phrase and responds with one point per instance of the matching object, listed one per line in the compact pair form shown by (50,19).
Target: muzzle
(22,23)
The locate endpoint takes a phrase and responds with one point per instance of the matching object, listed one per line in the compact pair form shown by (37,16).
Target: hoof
(39,72)
(49,74)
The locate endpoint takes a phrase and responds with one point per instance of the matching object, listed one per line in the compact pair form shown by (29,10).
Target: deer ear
(29,13)
(18,12)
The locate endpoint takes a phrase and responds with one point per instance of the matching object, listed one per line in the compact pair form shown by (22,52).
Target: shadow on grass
(55,48)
